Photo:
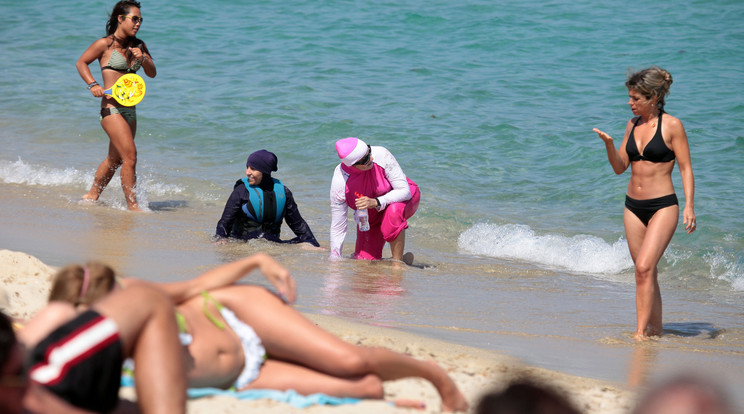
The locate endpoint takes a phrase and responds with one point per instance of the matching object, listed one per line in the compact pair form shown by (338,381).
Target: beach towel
(290,397)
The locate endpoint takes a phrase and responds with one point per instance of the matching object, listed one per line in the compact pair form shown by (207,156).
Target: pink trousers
(385,226)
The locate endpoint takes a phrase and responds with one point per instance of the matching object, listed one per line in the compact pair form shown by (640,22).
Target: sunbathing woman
(245,336)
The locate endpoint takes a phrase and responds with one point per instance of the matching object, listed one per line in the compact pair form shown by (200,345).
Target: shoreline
(25,282)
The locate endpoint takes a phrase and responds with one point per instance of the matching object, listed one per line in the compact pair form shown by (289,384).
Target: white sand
(25,287)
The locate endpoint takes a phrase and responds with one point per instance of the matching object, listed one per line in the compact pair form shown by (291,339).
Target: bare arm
(140,53)
(618,158)
(230,273)
(94,52)
(681,149)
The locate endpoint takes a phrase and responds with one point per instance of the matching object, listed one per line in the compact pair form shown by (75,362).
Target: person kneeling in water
(259,203)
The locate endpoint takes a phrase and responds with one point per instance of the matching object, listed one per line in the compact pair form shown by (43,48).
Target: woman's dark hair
(122,8)
(525,397)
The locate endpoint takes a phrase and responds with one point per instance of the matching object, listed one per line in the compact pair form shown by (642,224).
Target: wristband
(378,202)
(92,84)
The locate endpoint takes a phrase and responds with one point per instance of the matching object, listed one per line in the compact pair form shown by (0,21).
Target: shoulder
(239,183)
(339,173)
(287,191)
(377,150)
(383,156)
(670,120)
(672,127)
(101,44)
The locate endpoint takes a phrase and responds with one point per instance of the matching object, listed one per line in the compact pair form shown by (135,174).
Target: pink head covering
(351,150)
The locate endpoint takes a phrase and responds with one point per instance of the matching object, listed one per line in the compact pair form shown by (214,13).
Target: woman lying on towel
(246,337)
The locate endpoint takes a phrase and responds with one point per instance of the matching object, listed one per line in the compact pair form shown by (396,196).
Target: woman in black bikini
(651,206)
(124,53)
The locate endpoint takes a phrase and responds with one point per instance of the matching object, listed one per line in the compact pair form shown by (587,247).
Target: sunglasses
(135,19)
(365,159)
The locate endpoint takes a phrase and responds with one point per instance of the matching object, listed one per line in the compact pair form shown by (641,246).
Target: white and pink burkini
(399,198)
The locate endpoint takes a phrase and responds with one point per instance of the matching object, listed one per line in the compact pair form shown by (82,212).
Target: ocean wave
(22,172)
(727,266)
(581,253)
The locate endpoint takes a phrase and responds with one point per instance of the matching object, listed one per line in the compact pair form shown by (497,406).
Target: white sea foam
(22,172)
(726,266)
(581,253)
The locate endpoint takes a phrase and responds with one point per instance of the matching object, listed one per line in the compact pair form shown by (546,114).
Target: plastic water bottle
(363,217)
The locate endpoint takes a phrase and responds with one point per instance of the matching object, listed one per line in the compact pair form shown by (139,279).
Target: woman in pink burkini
(370,178)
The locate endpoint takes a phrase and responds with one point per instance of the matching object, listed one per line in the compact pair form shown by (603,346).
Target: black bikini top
(655,151)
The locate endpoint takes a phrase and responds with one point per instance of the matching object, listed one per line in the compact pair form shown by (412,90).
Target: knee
(114,162)
(129,158)
(353,364)
(644,272)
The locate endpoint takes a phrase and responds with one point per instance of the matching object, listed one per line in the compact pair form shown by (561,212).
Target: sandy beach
(25,286)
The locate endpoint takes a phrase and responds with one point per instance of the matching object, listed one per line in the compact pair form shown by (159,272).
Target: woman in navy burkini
(653,140)
(259,203)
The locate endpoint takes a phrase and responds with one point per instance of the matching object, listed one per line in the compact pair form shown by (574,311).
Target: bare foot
(90,198)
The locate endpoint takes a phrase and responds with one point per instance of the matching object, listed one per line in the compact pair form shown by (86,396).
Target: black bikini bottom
(645,209)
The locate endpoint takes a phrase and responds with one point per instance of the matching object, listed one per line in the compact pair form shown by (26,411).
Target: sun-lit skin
(254,176)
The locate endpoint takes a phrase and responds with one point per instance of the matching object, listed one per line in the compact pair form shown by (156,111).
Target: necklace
(653,124)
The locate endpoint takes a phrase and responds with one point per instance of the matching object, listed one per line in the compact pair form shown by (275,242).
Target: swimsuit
(398,195)
(645,209)
(81,361)
(128,112)
(253,351)
(270,204)
(655,151)
(118,63)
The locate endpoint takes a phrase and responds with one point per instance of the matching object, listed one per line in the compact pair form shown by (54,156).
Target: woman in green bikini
(123,53)
(246,337)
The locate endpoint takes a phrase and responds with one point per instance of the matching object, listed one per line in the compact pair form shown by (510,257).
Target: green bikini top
(183,332)
(118,63)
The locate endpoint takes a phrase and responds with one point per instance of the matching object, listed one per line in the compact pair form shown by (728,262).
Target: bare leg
(122,152)
(398,246)
(282,375)
(296,339)
(647,245)
(150,336)
(104,173)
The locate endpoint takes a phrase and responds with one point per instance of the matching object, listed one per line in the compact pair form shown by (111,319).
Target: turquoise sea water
(488,106)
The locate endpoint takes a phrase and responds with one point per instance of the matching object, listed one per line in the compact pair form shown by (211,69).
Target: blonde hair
(70,285)
(653,82)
